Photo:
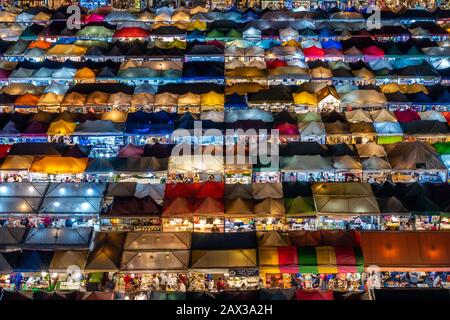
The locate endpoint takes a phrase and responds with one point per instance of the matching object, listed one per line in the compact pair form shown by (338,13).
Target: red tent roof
(286,128)
(406,115)
(131,32)
(313,52)
(276,63)
(373,51)
(216,43)
(4,150)
(210,189)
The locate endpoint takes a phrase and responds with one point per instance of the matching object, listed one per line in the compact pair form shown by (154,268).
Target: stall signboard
(244,273)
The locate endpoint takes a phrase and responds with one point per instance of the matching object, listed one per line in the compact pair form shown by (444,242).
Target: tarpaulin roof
(106,253)
(61,238)
(344,198)
(413,155)
(33,261)
(403,251)
(64,259)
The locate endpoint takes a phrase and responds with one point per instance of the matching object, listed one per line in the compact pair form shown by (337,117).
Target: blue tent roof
(33,261)
(235,101)
(331,44)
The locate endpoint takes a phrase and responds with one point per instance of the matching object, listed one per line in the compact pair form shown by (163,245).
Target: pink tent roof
(406,115)
(130,151)
(94,17)
(287,128)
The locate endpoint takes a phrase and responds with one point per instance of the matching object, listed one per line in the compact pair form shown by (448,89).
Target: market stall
(154,262)
(223,262)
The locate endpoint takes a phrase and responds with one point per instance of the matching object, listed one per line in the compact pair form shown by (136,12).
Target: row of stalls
(216,207)
(237,163)
(241,92)
(38,12)
(136,264)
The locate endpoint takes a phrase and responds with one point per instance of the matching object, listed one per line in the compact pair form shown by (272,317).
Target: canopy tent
(11,238)
(299,206)
(350,198)
(319,259)
(202,164)
(61,238)
(58,165)
(106,253)
(64,259)
(306,163)
(223,251)
(405,251)
(33,261)
(130,206)
(413,156)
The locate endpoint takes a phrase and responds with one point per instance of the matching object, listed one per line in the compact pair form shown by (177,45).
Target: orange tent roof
(40,44)
(27,99)
(85,74)
(407,251)
(59,165)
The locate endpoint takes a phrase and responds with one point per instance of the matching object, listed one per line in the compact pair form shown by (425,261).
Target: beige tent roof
(344,198)
(119,99)
(50,99)
(210,259)
(370,149)
(239,206)
(312,128)
(204,164)
(273,239)
(267,190)
(413,155)
(347,163)
(154,260)
(305,163)
(189,99)
(97,98)
(142,99)
(139,241)
(364,98)
(17,163)
(166,99)
(358,116)
(375,163)
(383,115)
(270,208)
(63,259)
(74,99)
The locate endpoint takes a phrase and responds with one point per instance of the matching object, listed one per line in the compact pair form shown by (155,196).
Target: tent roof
(61,238)
(106,253)
(137,241)
(344,198)
(64,259)
(413,155)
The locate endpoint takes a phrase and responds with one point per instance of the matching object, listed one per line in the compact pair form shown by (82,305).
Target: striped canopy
(323,259)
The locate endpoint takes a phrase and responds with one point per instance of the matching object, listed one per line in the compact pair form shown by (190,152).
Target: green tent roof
(442,147)
(299,206)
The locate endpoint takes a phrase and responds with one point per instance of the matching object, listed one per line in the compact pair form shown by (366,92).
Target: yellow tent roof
(85,74)
(50,99)
(181,16)
(198,9)
(305,97)
(42,16)
(197,24)
(61,127)
(413,88)
(189,99)
(66,50)
(17,163)
(59,165)
(243,88)
(321,72)
(115,116)
(247,72)
(212,99)
(291,42)
(7,16)
(390,88)
(17,89)
(163,17)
